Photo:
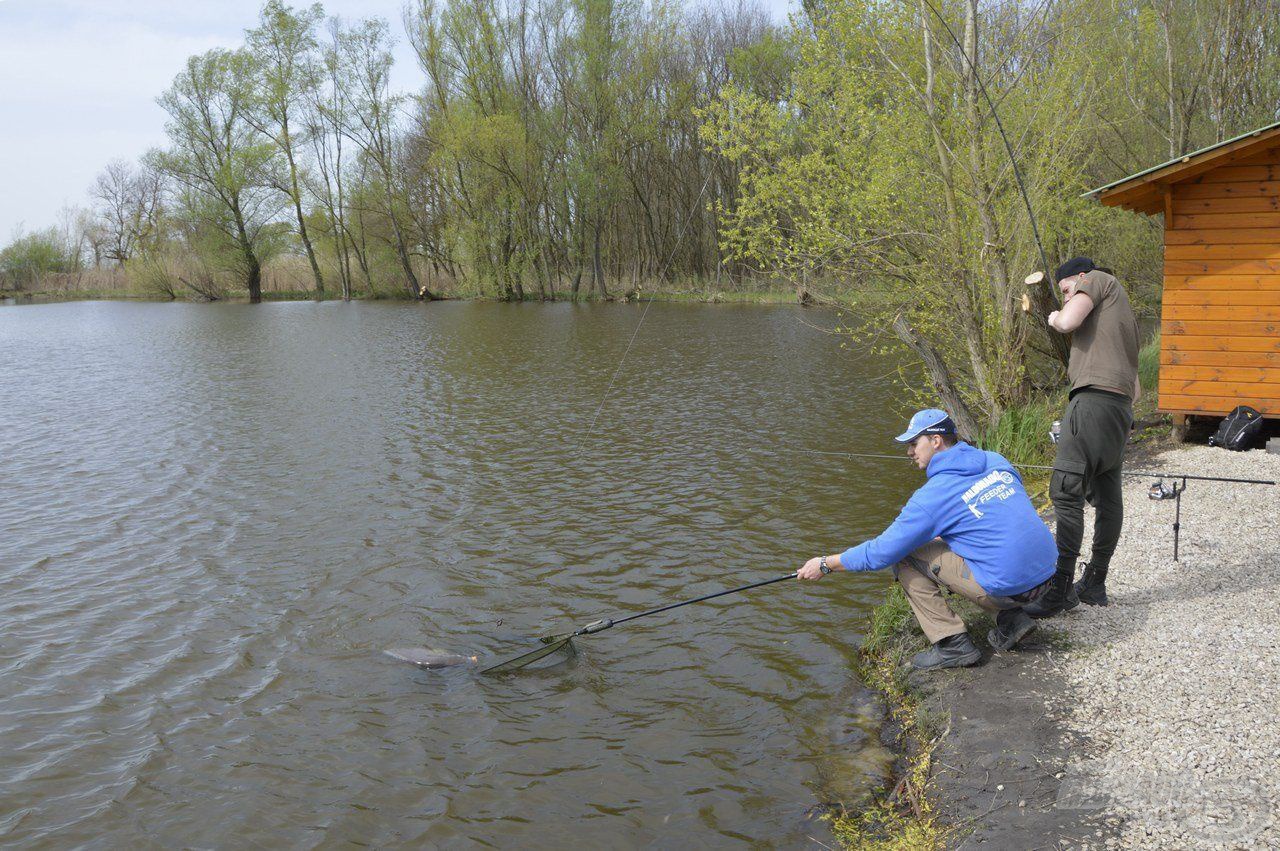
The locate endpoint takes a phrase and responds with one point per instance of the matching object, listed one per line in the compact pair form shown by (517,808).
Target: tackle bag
(1239,431)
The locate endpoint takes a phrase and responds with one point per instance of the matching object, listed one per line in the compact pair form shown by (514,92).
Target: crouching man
(969,529)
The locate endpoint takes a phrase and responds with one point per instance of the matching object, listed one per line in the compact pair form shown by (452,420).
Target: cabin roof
(1144,192)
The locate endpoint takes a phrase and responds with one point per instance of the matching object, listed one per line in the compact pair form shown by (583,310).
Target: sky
(79,79)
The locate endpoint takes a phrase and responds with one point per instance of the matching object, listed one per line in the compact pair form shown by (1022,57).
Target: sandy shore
(1176,685)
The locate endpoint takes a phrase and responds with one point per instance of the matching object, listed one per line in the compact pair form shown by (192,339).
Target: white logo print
(994,485)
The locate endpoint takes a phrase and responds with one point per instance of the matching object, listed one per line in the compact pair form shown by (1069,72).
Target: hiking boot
(1061,597)
(954,651)
(1012,625)
(1092,587)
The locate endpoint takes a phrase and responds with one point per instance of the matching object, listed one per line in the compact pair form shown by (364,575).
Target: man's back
(975,502)
(1104,349)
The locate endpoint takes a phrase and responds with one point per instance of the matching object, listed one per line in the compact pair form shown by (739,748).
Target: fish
(426,657)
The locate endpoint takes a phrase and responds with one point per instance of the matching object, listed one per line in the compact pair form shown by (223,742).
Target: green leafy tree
(285,69)
(218,157)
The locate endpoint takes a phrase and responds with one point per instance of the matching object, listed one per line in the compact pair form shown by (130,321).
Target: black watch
(822,565)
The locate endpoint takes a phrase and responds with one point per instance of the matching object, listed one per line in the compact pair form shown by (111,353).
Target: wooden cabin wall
(1220,319)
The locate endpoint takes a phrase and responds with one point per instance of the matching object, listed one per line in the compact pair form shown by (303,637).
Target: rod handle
(596,626)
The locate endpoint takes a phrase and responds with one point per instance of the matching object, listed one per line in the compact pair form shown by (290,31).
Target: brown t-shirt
(1104,349)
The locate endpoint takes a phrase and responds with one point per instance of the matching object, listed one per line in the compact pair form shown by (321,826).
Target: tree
(886,167)
(219,157)
(370,112)
(28,258)
(285,69)
(127,205)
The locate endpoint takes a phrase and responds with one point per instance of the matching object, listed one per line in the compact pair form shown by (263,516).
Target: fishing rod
(552,643)
(1013,161)
(1159,491)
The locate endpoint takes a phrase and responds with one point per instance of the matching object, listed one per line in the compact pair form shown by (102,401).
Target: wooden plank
(1225,220)
(1173,357)
(1217,405)
(1233,374)
(1233,298)
(1261,155)
(1182,342)
(1222,267)
(1223,312)
(1237,173)
(1232,329)
(1225,389)
(1221,282)
(1193,206)
(1223,236)
(1254,251)
(1242,189)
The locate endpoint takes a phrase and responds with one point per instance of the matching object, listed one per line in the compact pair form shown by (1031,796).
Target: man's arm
(1072,315)
(915,526)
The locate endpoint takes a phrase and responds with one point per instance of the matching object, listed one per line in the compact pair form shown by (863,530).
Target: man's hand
(812,569)
(1053,317)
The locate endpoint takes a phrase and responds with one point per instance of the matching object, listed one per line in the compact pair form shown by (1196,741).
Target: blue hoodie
(973,500)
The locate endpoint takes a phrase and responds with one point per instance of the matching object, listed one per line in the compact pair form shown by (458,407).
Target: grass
(1149,365)
(905,818)
(1022,436)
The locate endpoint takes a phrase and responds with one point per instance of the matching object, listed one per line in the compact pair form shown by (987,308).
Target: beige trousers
(924,574)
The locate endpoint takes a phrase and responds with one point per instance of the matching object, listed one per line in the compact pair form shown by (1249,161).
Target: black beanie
(1074,266)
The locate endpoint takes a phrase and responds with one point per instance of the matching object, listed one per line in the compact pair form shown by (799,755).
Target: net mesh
(546,653)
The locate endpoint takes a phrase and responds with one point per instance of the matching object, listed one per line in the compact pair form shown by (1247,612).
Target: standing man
(970,529)
(1103,372)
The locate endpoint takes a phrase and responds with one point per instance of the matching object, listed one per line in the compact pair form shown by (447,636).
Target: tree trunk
(296,197)
(597,268)
(967,310)
(952,402)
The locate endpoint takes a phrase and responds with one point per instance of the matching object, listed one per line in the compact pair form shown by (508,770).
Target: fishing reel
(1160,490)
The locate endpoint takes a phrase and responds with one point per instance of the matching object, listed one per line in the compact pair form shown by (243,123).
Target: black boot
(1012,625)
(1061,597)
(954,651)
(1092,588)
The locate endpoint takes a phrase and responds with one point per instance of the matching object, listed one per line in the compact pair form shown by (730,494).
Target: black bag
(1239,431)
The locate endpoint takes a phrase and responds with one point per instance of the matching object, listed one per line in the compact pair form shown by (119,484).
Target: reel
(1160,490)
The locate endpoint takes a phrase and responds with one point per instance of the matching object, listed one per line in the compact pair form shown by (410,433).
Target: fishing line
(648,304)
(554,643)
(1144,474)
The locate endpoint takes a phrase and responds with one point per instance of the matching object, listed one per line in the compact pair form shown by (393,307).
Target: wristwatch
(822,565)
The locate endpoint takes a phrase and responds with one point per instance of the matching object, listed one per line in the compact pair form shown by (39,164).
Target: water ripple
(214,517)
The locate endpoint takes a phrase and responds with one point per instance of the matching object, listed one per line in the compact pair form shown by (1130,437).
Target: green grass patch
(1022,435)
(903,818)
(1149,365)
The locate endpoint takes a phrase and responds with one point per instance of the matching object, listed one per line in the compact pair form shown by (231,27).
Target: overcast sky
(79,78)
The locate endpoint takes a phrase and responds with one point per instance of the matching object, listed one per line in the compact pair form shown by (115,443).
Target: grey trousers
(1090,456)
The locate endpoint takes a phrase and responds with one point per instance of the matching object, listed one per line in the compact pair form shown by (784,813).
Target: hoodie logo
(998,484)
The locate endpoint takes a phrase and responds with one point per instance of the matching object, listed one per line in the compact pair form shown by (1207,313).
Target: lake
(214,518)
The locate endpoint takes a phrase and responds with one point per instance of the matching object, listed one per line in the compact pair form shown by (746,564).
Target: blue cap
(928,421)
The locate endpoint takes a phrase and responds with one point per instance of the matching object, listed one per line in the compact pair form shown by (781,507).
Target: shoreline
(768,296)
(1144,724)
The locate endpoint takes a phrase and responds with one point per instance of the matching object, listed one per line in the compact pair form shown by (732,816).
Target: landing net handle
(552,643)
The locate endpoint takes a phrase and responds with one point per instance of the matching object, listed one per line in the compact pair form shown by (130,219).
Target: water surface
(214,517)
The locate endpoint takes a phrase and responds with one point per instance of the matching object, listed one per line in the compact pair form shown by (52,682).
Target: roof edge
(1182,160)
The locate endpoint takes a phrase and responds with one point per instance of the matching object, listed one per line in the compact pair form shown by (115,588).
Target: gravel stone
(1177,683)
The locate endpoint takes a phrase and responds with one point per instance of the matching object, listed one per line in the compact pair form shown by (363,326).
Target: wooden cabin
(1220,319)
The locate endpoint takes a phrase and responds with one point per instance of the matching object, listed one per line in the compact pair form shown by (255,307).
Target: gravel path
(1177,683)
